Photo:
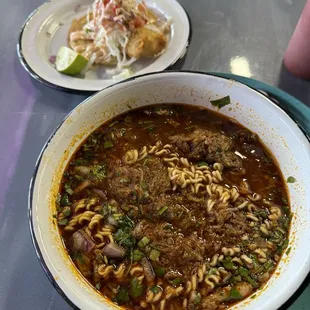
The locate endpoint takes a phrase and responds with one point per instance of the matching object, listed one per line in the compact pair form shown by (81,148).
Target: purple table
(243,37)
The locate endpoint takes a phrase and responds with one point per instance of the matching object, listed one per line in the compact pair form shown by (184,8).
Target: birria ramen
(174,207)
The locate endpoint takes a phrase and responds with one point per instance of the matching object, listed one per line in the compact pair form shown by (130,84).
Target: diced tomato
(117,6)
(138,22)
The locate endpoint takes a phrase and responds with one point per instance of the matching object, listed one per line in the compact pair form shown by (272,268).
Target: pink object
(297,55)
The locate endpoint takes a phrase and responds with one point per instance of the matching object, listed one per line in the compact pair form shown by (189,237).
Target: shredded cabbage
(111,26)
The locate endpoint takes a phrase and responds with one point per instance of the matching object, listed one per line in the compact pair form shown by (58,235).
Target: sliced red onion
(100,193)
(82,170)
(113,250)
(52,59)
(83,186)
(138,230)
(112,221)
(148,270)
(81,242)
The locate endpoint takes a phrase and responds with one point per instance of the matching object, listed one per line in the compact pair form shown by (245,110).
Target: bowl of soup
(174,190)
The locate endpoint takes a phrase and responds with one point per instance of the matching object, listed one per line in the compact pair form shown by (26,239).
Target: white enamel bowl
(277,130)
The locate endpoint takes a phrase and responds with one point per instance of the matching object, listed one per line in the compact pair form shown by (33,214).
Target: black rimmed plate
(46,30)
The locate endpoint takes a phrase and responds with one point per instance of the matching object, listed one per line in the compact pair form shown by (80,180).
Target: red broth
(174,207)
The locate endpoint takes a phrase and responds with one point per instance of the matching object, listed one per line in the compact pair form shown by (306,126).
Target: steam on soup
(174,207)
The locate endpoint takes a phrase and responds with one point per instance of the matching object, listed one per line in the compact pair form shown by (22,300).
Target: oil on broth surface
(174,207)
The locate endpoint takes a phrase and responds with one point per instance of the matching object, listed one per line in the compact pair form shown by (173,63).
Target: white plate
(46,29)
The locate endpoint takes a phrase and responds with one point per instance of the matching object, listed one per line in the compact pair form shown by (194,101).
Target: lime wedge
(70,62)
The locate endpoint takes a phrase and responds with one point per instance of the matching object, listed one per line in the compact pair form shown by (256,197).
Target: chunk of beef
(178,244)
(244,288)
(254,151)
(246,136)
(166,207)
(228,159)
(224,227)
(180,254)
(138,183)
(207,145)
(156,177)
(125,183)
(151,230)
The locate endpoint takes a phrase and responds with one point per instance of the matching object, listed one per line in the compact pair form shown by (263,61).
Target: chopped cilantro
(123,235)
(143,242)
(282,247)
(58,199)
(162,210)
(160,272)
(80,162)
(98,286)
(66,212)
(98,172)
(154,255)
(229,265)
(202,163)
(108,144)
(197,299)
(286,210)
(78,256)
(125,222)
(155,289)
(125,239)
(234,294)
(268,265)
(220,103)
(62,222)
(284,200)
(137,255)
(64,201)
(176,281)
(122,296)
(291,180)
(68,189)
(136,288)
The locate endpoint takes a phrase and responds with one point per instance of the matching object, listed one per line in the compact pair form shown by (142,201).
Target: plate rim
(45,82)
(40,156)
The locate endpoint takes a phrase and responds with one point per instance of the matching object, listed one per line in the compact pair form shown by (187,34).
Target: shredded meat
(207,145)
(184,253)
(244,288)
(179,253)
(213,301)
(245,136)
(168,208)
(139,183)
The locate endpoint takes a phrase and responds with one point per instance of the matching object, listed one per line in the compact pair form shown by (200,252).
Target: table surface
(243,37)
